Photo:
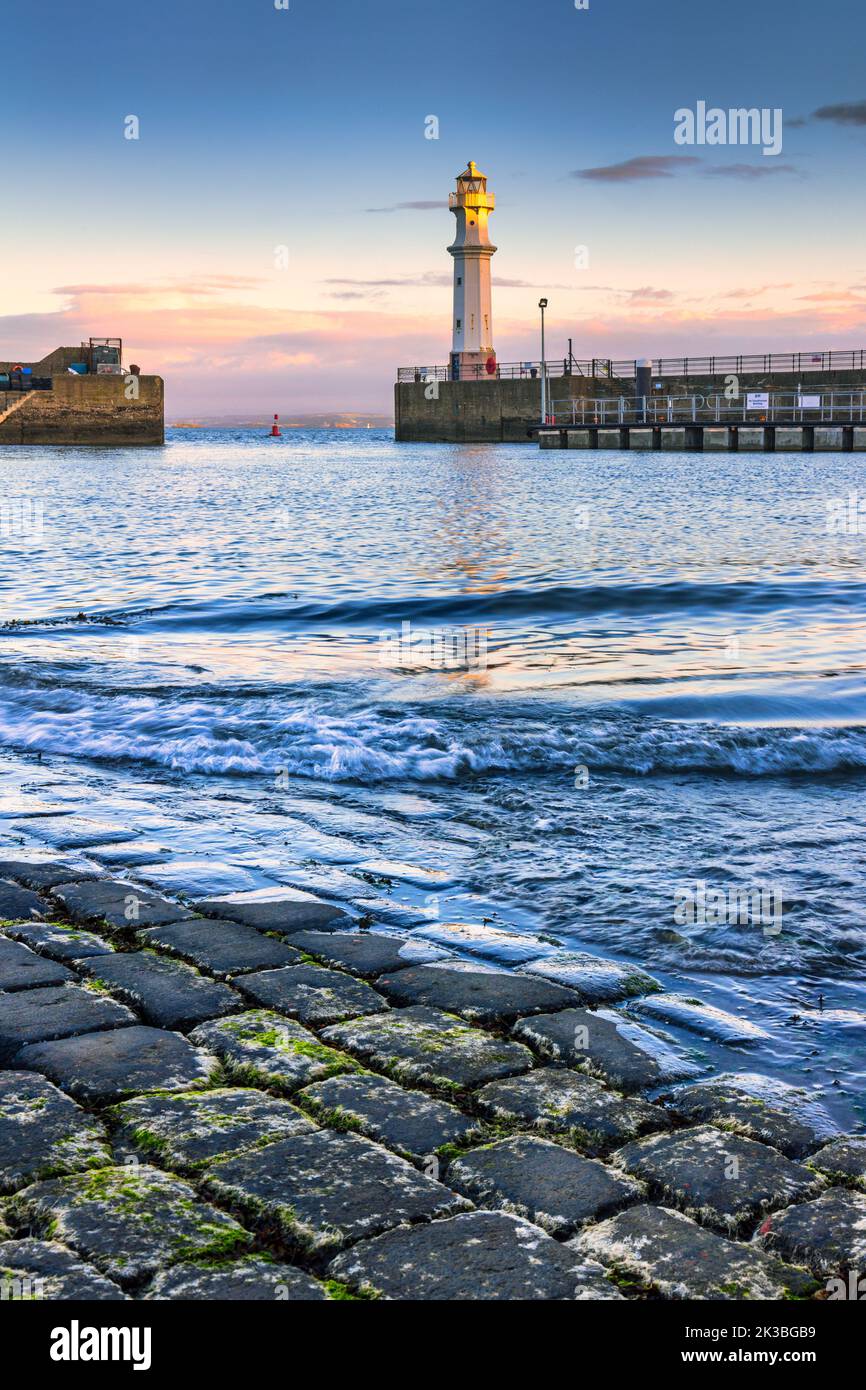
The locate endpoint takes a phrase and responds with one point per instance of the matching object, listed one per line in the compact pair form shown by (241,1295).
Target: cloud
(748,171)
(842,113)
(645,166)
(647,294)
(420,205)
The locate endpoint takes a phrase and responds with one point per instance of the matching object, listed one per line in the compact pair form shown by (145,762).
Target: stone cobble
(251,1098)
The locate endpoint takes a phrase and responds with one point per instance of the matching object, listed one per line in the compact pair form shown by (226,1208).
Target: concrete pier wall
(502,409)
(87,410)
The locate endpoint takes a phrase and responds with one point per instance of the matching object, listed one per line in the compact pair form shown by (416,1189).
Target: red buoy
(275,428)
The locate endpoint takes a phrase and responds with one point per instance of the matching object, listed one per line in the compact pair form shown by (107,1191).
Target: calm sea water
(578,685)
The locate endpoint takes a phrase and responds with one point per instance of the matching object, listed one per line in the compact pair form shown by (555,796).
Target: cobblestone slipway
(249,1097)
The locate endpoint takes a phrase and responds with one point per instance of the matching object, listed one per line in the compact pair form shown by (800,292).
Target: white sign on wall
(809,402)
(757,400)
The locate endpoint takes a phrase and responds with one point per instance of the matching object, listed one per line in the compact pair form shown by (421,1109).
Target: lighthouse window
(472,322)
(472,221)
(460,279)
(459,323)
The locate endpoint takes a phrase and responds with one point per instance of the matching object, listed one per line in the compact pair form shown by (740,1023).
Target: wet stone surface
(60,1011)
(828,1235)
(278,910)
(605,1048)
(414,1125)
(130,1221)
(223,948)
(312,994)
(720,1179)
(844,1160)
(702,1018)
(21,968)
(40,874)
(488,997)
(430,1048)
(262,1048)
(662,1250)
(59,942)
(46,1269)
(121,904)
(567,1102)
(543,1182)
(724,1102)
(101,1067)
(17,902)
(166,993)
(595,980)
(364,953)
(43,1132)
(477,1256)
(325,1189)
(190,1131)
(245,1281)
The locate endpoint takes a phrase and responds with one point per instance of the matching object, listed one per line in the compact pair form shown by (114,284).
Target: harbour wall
(502,410)
(85,410)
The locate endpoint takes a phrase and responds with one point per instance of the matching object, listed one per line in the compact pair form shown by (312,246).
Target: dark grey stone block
(412,1124)
(259,1048)
(365,953)
(285,910)
(17,903)
(311,993)
(223,948)
(122,905)
(567,1102)
(166,993)
(723,1102)
(843,1161)
(543,1182)
(190,1131)
(102,1067)
(479,1255)
(430,1048)
(40,874)
(719,1179)
(828,1235)
(607,1047)
(59,942)
(481,996)
(594,979)
(59,1011)
(324,1189)
(245,1281)
(131,1221)
(665,1252)
(43,1132)
(21,968)
(45,1269)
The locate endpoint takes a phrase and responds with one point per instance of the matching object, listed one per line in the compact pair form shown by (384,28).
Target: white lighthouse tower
(472,352)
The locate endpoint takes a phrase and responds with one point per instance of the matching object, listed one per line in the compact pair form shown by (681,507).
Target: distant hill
(340,420)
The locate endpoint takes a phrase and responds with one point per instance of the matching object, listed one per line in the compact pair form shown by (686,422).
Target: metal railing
(791,407)
(835,360)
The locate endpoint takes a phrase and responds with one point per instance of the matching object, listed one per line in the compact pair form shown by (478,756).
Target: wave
(673,598)
(327,738)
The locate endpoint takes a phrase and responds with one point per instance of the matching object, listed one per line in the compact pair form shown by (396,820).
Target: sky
(275,239)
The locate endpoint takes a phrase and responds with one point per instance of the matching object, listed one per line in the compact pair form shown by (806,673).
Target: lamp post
(542,304)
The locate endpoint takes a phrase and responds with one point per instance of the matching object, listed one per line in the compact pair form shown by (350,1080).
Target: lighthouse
(472,352)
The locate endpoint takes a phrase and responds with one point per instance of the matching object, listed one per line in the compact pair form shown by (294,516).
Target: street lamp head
(542,303)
